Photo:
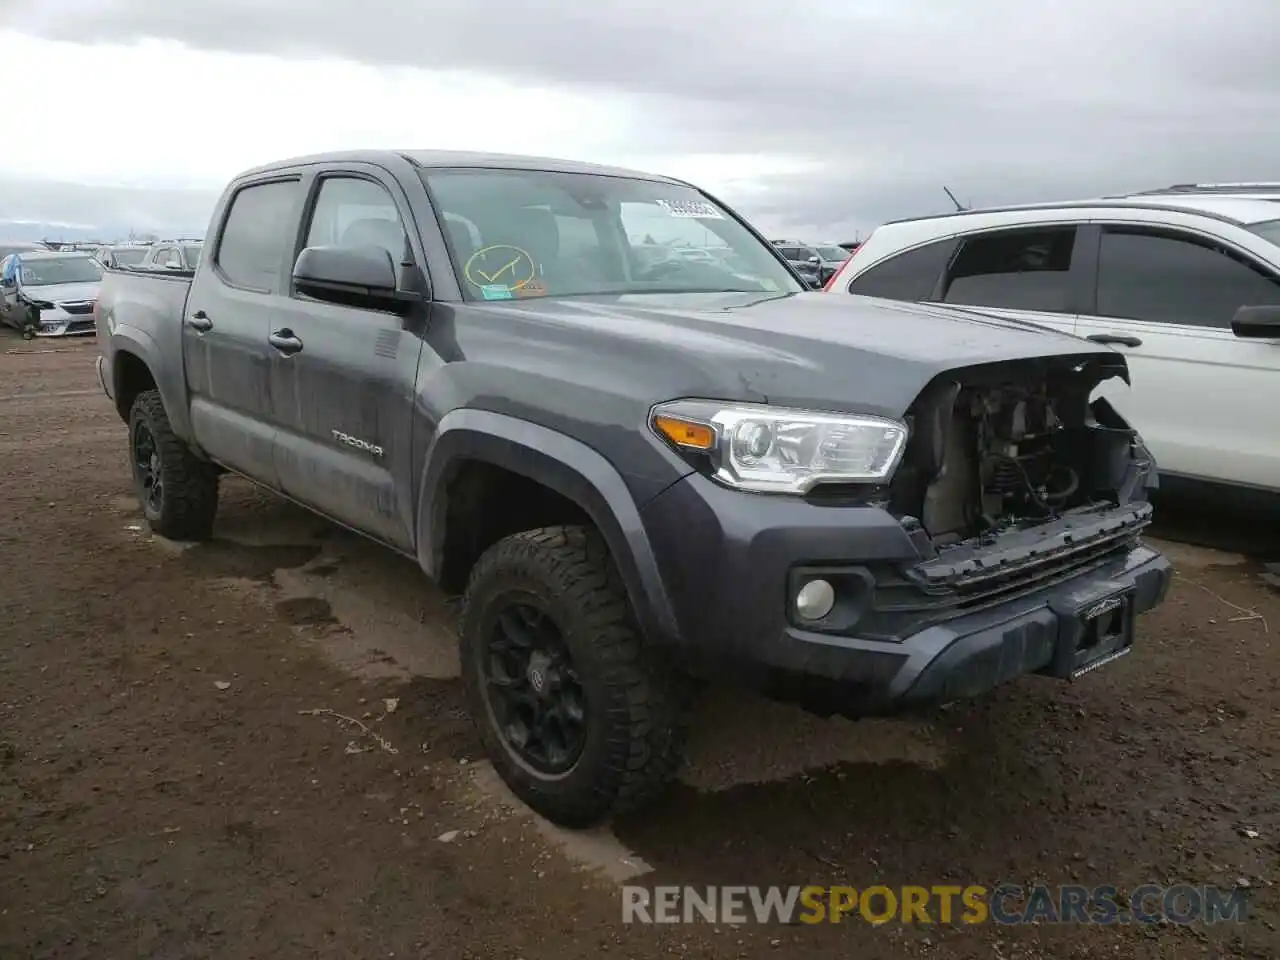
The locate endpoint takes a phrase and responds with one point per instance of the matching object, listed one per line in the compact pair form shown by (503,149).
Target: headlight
(778,450)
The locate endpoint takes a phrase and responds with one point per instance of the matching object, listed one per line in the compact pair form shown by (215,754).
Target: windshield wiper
(689,290)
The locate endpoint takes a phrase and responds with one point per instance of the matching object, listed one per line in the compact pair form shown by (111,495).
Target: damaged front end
(1012,479)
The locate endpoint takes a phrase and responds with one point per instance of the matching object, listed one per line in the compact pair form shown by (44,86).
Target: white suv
(1159,275)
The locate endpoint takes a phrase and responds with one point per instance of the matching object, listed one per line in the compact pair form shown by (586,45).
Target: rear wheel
(580,719)
(178,492)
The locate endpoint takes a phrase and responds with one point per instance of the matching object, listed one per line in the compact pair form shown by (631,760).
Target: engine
(990,456)
(1021,472)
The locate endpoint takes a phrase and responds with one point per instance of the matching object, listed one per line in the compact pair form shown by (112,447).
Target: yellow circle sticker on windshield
(500,264)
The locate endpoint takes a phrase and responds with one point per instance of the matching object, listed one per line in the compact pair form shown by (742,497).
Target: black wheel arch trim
(563,464)
(132,340)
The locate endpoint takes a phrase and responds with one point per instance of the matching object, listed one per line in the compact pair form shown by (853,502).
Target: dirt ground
(176,781)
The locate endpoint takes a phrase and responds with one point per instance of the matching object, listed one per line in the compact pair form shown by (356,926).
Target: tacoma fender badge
(356,443)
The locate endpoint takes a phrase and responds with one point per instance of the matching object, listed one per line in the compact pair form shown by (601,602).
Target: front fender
(563,464)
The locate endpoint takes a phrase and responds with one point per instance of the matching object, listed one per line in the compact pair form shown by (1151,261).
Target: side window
(908,276)
(1144,275)
(791,253)
(1014,270)
(350,212)
(256,234)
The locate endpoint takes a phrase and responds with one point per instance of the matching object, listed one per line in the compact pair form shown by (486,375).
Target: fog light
(815,599)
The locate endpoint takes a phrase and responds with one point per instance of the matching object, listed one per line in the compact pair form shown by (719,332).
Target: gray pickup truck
(642,472)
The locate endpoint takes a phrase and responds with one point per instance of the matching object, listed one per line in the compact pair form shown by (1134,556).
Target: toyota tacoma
(642,469)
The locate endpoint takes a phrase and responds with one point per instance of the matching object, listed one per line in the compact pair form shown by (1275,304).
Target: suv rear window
(908,276)
(1014,270)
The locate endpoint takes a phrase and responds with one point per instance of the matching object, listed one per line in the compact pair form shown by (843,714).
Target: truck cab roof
(460,158)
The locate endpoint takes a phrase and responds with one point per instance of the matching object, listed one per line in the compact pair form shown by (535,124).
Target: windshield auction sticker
(499,264)
(690,209)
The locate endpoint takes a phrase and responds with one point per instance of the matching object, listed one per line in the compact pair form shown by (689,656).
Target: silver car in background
(50,294)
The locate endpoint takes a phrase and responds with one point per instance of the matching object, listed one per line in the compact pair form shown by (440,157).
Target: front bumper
(55,321)
(75,327)
(729,562)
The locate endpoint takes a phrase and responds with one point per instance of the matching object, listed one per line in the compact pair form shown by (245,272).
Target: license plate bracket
(1094,628)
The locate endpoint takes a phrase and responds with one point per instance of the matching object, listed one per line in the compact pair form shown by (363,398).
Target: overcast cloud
(873,105)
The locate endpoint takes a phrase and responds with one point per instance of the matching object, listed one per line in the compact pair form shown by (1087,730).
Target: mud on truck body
(641,473)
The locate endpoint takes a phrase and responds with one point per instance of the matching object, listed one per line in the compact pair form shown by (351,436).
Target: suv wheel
(580,720)
(178,492)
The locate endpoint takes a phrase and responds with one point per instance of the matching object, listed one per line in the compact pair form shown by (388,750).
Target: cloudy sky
(820,118)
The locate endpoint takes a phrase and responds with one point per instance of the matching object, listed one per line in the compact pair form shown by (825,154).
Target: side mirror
(354,276)
(815,261)
(1260,323)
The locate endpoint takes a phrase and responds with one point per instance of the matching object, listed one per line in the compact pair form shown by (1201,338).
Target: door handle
(200,321)
(1121,339)
(285,342)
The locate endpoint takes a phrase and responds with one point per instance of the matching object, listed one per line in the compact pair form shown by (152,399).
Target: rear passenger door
(231,310)
(1027,273)
(1206,402)
(344,391)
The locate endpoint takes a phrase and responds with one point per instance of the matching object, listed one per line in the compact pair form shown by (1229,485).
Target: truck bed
(143,311)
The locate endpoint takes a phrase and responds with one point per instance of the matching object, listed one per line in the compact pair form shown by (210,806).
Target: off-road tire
(190,496)
(636,705)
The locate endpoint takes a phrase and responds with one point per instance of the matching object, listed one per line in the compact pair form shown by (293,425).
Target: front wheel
(178,492)
(580,719)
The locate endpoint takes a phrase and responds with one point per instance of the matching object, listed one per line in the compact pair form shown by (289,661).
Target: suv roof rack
(1212,188)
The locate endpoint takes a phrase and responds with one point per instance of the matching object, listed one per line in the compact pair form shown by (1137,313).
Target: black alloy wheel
(148,470)
(177,491)
(532,688)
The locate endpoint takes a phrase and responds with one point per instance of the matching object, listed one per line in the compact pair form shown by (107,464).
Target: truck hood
(815,349)
(58,292)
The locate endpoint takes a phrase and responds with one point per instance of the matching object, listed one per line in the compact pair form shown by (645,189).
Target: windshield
(39,273)
(833,253)
(522,233)
(1268,230)
(192,253)
(130,256)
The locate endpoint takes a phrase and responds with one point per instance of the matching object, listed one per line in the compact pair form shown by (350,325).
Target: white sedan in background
(50,294)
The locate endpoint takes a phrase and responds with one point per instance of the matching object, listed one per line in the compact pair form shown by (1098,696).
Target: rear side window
(1014,270)
(1163,278)
(257,232)
(908,276)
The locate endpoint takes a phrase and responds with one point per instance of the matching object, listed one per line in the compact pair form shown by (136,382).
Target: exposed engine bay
(1015,445)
